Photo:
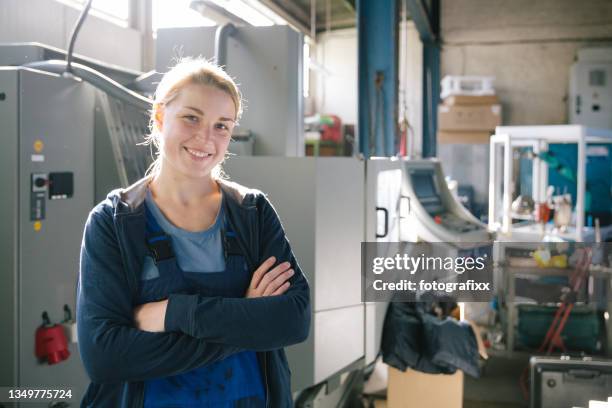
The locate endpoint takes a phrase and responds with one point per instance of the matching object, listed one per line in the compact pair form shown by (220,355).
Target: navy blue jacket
(199,330)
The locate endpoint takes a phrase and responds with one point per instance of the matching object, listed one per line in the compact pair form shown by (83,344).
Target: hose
(75,32)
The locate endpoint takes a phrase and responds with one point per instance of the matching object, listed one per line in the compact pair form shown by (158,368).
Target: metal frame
(539,137)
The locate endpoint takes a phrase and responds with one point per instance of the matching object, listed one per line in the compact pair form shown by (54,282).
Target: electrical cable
(75,33)
(96,79)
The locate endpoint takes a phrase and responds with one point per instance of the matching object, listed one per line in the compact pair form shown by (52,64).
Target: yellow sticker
(37,226)
(38,146)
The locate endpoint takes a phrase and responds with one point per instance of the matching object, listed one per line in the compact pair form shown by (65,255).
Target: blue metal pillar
(431,97)
(426,17)
(377,23)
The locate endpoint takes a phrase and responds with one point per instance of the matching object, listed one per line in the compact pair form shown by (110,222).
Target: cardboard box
(413,389)
(461,137)
(469,117)
(470,100)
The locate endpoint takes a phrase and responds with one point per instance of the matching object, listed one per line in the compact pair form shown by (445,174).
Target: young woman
(188,288)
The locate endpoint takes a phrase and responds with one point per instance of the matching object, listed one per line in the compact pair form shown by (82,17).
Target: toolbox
(564,382)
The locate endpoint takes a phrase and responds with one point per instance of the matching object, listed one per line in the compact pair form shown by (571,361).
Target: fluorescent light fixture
(256,4)
(169,14)
(245,11)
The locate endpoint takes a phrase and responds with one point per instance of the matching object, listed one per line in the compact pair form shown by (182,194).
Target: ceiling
(341,12)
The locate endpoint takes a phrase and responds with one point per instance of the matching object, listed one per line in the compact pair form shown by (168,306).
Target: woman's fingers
(272,274)
(270,282)
(282,289)
(261,271)
(277,282)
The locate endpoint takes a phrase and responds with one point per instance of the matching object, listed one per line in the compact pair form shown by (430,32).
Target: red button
(438,219)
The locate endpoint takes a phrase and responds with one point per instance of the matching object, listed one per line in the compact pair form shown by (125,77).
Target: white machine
(383,182)
(591,88)
(429,211)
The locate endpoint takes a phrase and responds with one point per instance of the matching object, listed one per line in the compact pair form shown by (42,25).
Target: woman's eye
(191,118)
(222,126)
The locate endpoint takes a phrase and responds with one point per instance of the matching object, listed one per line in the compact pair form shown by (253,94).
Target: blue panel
(377,44)
(598,176)
(598,179)
(431,97)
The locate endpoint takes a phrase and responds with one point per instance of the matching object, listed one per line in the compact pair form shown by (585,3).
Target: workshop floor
(497,388)
(499,385)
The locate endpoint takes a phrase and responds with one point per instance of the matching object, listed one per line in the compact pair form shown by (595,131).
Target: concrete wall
(50,22)
(527,45)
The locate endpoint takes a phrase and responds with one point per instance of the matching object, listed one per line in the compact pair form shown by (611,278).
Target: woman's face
(196,128)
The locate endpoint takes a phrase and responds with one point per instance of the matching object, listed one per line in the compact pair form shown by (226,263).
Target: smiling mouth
(197,153)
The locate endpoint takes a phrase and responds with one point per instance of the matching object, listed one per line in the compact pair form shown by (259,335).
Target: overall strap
(158,241)
(230,239)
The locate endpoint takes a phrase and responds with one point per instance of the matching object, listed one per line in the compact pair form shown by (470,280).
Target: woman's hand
(151,316)
(270,282)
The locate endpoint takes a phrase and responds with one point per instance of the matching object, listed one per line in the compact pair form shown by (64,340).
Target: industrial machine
(430,213)
(533,175)
(48,178)
(325,225)
(67,142)
(505,187)
(383,183)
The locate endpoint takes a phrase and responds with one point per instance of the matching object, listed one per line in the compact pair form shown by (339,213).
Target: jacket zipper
(265,353)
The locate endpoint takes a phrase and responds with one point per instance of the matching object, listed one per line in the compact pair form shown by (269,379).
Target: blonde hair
(188,71)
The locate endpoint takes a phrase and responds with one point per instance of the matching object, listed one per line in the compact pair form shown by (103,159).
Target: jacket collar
(131,198)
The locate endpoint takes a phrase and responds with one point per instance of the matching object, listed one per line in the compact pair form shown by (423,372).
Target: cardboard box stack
(467,115)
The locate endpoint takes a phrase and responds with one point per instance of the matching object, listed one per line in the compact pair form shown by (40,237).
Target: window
(116,11)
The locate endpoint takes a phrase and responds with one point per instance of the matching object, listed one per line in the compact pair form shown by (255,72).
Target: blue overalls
(233,382)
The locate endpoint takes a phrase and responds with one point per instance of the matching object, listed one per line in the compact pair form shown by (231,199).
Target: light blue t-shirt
(234,382)
(200,251)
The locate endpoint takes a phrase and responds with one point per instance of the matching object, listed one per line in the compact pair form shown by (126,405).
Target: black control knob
(40,182)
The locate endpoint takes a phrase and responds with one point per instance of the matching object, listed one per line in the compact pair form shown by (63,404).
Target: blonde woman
(188,288)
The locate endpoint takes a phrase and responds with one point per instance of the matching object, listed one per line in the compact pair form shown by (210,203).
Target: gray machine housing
(41,266)
(325,226)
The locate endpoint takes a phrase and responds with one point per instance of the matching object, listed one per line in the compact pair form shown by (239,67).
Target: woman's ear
(159,117)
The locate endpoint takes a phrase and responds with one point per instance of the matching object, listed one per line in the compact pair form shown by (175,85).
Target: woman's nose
(204,132)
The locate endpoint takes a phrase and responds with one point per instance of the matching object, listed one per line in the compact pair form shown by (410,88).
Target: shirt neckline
(172,229)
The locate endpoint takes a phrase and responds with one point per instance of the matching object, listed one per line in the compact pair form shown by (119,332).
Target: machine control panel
(61,185)
(38,195)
